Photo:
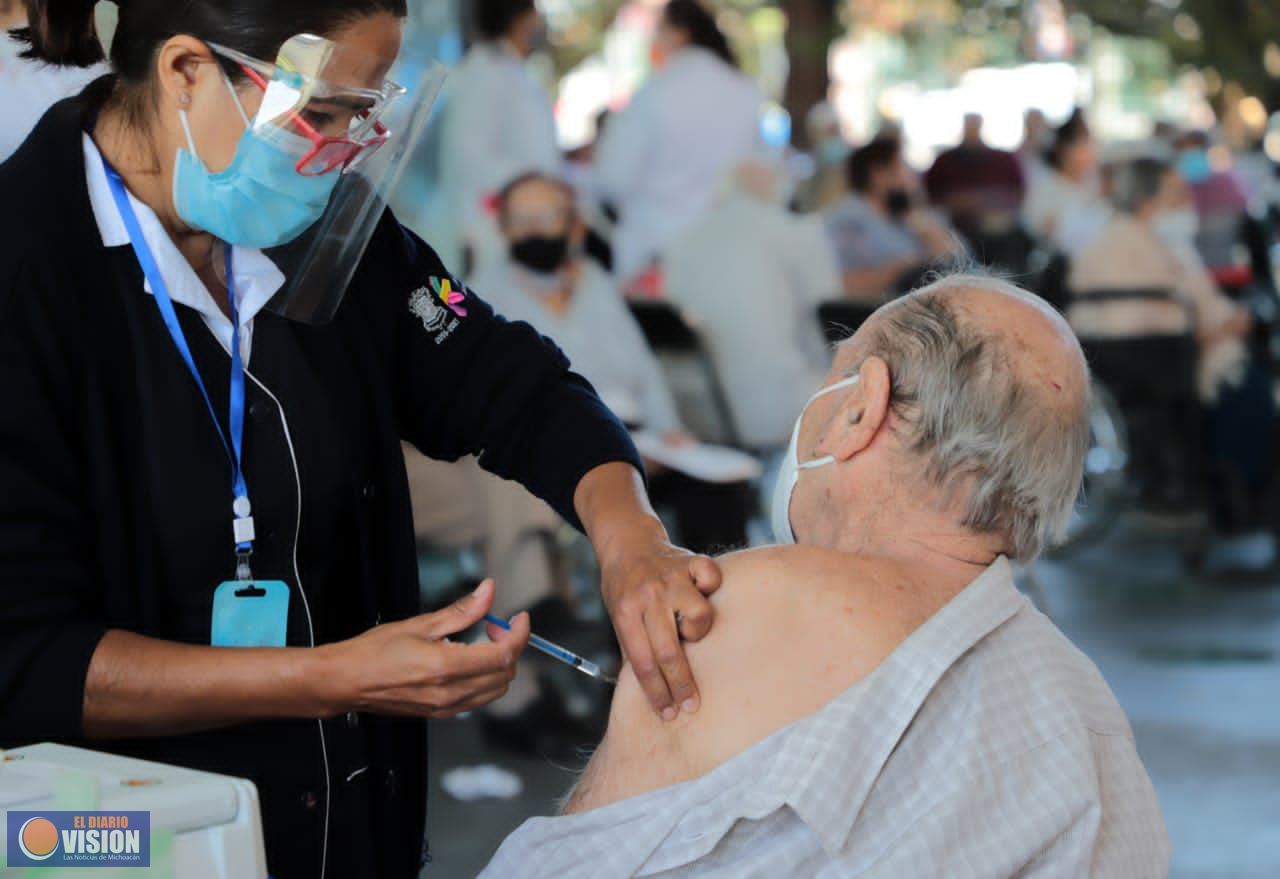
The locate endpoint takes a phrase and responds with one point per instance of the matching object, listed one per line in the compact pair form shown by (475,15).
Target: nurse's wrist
(323,682)
(615,510)
(621,535)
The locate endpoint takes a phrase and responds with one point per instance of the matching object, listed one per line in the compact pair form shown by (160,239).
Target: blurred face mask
(259,200)
(789,473)
(541,254)
(898,203)
(1178,228)
(1194,166)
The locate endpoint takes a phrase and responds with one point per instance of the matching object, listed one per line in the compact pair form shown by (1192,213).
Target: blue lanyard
(242,522)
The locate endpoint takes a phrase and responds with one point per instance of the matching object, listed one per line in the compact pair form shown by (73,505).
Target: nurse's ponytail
(61,32)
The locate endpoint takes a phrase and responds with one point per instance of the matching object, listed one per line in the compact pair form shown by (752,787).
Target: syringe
(555,651)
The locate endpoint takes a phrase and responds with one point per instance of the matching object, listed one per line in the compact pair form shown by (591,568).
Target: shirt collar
(257,278)
(844,751)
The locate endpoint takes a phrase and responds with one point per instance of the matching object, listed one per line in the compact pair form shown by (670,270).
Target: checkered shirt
(985,746)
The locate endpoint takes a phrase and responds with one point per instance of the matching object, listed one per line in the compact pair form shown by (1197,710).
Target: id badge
(250,613)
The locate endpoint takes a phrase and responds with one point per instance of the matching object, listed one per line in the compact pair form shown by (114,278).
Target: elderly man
(879,700)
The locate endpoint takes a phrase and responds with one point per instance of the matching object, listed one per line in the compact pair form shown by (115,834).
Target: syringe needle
(555,651)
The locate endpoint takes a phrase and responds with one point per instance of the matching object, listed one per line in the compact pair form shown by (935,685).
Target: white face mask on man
(789,473)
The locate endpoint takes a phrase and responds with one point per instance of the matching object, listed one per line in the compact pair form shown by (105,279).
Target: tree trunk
(810,29)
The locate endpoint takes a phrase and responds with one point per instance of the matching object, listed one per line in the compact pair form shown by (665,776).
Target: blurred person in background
(1037,137)
(1261,178)
(546,281)
(885,237)
(498,123)
(661,158)
(1064,208)
(1222,204)
(981,188)
(976,184)
(29,87)
(754,273)
(1143,247)
(830,152)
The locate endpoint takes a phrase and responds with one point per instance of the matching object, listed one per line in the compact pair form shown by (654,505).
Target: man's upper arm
(758,670)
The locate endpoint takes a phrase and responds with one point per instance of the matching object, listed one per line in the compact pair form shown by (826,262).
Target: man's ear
(864,414)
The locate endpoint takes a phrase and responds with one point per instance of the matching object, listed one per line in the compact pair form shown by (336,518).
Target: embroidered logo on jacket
(433,304)
(449,296)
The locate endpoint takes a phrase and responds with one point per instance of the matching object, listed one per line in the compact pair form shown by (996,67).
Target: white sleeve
(625,148)
(811,259)
(477,117)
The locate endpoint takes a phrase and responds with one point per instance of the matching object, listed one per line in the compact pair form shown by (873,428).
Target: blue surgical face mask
(1194,166)
(259,200)
(789,473)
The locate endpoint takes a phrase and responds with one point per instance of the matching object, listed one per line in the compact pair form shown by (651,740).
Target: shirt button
(367,491)
(309,800)
(353,720)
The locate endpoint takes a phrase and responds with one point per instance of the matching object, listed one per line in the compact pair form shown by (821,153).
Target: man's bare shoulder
(794,628)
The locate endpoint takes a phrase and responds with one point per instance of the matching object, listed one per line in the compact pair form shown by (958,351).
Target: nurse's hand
(410,668)
(656,594)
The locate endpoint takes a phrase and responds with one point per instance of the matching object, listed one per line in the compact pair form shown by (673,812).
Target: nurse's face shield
(333,107)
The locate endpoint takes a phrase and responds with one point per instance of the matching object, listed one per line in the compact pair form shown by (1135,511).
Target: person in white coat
(29,87)
(661,160)
(498,124)
(754,274)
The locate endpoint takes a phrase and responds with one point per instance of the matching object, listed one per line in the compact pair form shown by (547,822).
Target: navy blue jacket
(114,488)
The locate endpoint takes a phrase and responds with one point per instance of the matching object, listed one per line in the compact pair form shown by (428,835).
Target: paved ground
(1197,668)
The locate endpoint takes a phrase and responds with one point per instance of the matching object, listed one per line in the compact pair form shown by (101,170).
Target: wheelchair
(1146,450)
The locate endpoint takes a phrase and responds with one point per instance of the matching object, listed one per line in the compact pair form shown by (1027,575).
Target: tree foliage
(1229,36)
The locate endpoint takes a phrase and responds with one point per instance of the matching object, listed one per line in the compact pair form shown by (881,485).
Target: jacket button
(353,720)
(367,491)
(392,783)
(309,800)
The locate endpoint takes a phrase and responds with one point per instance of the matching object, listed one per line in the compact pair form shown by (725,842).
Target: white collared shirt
(256,277)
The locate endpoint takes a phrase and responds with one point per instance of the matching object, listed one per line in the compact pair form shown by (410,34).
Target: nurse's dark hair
(695,20)
(63,32)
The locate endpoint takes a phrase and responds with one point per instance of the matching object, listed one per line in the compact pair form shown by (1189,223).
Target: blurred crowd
(697,282)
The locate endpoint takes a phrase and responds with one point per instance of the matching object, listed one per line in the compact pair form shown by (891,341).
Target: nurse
(663,158)
(212,340)
(498,124)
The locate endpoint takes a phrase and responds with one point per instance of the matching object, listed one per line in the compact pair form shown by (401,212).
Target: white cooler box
(215,819)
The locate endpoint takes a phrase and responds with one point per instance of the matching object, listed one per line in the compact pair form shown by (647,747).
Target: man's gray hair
(986,434)
(1135,182)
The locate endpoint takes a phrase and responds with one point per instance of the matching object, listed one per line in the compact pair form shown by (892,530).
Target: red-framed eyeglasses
(327,153)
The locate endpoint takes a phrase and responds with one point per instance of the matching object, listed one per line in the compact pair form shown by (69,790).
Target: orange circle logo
(38,839)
